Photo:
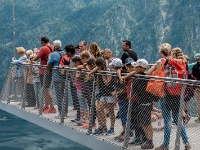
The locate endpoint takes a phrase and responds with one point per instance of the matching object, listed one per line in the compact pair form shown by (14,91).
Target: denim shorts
(108,99)
(82,101)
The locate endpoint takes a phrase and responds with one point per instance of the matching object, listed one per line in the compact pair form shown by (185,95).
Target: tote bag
(155,86)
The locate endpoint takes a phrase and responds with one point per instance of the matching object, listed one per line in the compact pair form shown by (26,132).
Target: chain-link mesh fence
(127,114)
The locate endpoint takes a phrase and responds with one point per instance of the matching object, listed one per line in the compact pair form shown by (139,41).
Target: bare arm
(49,66)
(119,75)
(129,75)
(151,70)
(80,67)
(35,58)
(93,71)
(107,79)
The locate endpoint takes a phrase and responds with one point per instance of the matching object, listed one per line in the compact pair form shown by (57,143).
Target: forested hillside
(147,23)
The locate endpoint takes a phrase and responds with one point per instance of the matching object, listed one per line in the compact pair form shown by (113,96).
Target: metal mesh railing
(120,113)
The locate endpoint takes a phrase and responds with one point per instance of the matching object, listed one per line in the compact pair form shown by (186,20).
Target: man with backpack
(58,77)
(43,55)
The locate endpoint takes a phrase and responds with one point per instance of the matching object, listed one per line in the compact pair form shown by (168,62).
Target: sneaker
(119,136)
(197,120)
(75,120)
(110,132)
(161,148)
(136,141)
(45,108)
(147,145)
(187,147)
(86,125)
(50,110)
(98,131)
(81,122)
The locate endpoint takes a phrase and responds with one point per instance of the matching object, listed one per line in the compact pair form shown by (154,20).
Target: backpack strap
(166,62)
(50,48)
(127,54)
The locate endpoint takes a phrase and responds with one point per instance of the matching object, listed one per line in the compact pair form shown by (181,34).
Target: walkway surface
(193,129)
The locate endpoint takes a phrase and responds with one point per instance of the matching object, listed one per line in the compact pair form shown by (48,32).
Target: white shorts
(108,99)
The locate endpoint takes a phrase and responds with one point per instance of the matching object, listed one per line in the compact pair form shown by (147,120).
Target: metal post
(14,29)
(65,99)
(128,123)
(25,90)
(92,107)
(42,96)
(178,133)
(10,85)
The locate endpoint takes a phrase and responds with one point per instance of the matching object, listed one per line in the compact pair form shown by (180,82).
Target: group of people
(108,88)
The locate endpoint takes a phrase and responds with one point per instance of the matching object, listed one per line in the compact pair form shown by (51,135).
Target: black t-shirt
(139,88)
(196,70)
(106,90)
(129,53)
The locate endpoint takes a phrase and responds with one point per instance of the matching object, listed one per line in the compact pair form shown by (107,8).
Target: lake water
(19,134)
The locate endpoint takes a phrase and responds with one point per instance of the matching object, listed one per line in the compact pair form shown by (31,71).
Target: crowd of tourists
(96,66)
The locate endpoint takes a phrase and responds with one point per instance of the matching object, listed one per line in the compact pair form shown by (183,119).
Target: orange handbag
(155,86)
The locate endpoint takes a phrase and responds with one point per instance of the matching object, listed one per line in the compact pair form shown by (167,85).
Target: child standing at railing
(79,80)
(106,87)
(36,84)
(144,101)
(87,91)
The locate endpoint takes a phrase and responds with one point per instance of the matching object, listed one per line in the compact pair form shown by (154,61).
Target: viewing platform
(10,102)
(78,134)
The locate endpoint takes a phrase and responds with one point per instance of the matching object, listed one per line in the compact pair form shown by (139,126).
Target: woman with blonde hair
(20,69)
(95,50)
(29,55)
(171,102)
(28,76)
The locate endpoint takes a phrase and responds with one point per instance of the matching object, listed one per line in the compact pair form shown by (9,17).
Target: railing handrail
(147,77)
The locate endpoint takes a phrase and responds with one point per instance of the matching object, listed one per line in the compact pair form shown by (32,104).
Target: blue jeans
(37,90)
(82,101)
(59,87)
(123,110)
(167,124)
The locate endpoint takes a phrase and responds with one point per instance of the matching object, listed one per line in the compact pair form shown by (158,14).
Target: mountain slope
(147,23)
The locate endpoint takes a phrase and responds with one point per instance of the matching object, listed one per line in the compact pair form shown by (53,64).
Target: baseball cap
(141,62)
(128,61)
(116,62)
(197,56)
